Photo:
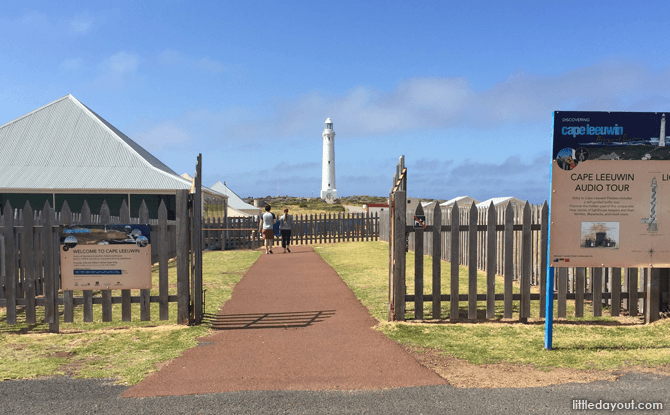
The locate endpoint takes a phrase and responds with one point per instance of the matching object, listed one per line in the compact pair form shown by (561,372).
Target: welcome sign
(610,201)
(97,257)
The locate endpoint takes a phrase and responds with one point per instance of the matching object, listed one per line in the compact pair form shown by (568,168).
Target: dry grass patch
(462,374)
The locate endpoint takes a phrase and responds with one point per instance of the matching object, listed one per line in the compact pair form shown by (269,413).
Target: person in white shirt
(285,225)
(265,226)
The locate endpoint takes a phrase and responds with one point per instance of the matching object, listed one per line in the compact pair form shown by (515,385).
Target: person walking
(285,225)
(265,226)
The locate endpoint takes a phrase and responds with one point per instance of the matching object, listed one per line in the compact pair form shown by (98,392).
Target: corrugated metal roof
(500,200)
(234,201)
(65,145)
(458,199)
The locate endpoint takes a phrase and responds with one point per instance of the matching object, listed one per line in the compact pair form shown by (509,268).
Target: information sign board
(96,257)
(610,201)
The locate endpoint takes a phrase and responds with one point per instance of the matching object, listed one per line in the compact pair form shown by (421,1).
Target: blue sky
(465,90)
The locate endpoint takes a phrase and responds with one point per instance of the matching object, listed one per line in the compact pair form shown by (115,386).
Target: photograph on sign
(95,257)
(610,181)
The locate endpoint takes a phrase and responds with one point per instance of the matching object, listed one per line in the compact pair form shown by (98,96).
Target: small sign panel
(419,221)
(105,257)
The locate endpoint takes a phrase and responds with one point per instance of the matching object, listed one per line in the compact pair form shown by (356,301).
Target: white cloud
(447,102)
(115,72)
(121,63)
(434,103)
(34,21)
(518,176)
(163,135)
(81,23)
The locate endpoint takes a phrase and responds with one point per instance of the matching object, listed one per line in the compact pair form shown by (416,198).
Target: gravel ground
(62,395)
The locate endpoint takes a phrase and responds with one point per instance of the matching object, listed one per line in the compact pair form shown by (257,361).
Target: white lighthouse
(328,190)
(661,139)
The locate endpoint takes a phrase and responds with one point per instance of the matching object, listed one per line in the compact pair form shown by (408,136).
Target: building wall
(76,200)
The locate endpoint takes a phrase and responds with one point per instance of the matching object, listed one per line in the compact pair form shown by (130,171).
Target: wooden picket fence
(508,242)
(481,214)
(30,271)
(242,233)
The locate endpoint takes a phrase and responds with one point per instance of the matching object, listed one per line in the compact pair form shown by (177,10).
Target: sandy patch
(461,374)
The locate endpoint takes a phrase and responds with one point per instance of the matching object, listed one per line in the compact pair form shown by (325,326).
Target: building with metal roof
(501,201)
(236,206)
(65,151)
(463,201)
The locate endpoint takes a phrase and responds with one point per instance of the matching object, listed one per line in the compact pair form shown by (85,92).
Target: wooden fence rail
(512,243)
(30,267)
(242,233)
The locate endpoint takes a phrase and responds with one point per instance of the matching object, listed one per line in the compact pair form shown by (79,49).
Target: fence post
(197,243)
(615,279)
(455,266)
(399,243)
(124,217)
(597,289)
(145,293)
(525,265)
(508,245)
(183,246)
(162,247)
(50,278)
(472,263)
(491,257)
(391,307)
(580,282)
(651,307)
(68,295)
(10,263)
(418,268)
(437,262)
(28,265)
(544,235)
(88,294)
(632,276)
(562,291)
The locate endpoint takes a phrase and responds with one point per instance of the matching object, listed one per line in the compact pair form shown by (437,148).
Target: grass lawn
(127,351)
(579,343)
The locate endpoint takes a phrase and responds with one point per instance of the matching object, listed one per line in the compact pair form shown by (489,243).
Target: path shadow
(294,319)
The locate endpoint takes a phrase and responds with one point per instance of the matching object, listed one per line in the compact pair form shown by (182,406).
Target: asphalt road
(61,395)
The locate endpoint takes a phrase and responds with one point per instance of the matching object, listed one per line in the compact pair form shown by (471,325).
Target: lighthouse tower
(328,190)
(661,139)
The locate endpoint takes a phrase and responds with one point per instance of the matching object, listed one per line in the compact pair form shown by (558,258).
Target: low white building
(373,208)
(236,206)
(501,201)
(462,201)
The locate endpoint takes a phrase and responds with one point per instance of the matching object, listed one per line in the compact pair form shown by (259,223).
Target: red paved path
(292,323)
